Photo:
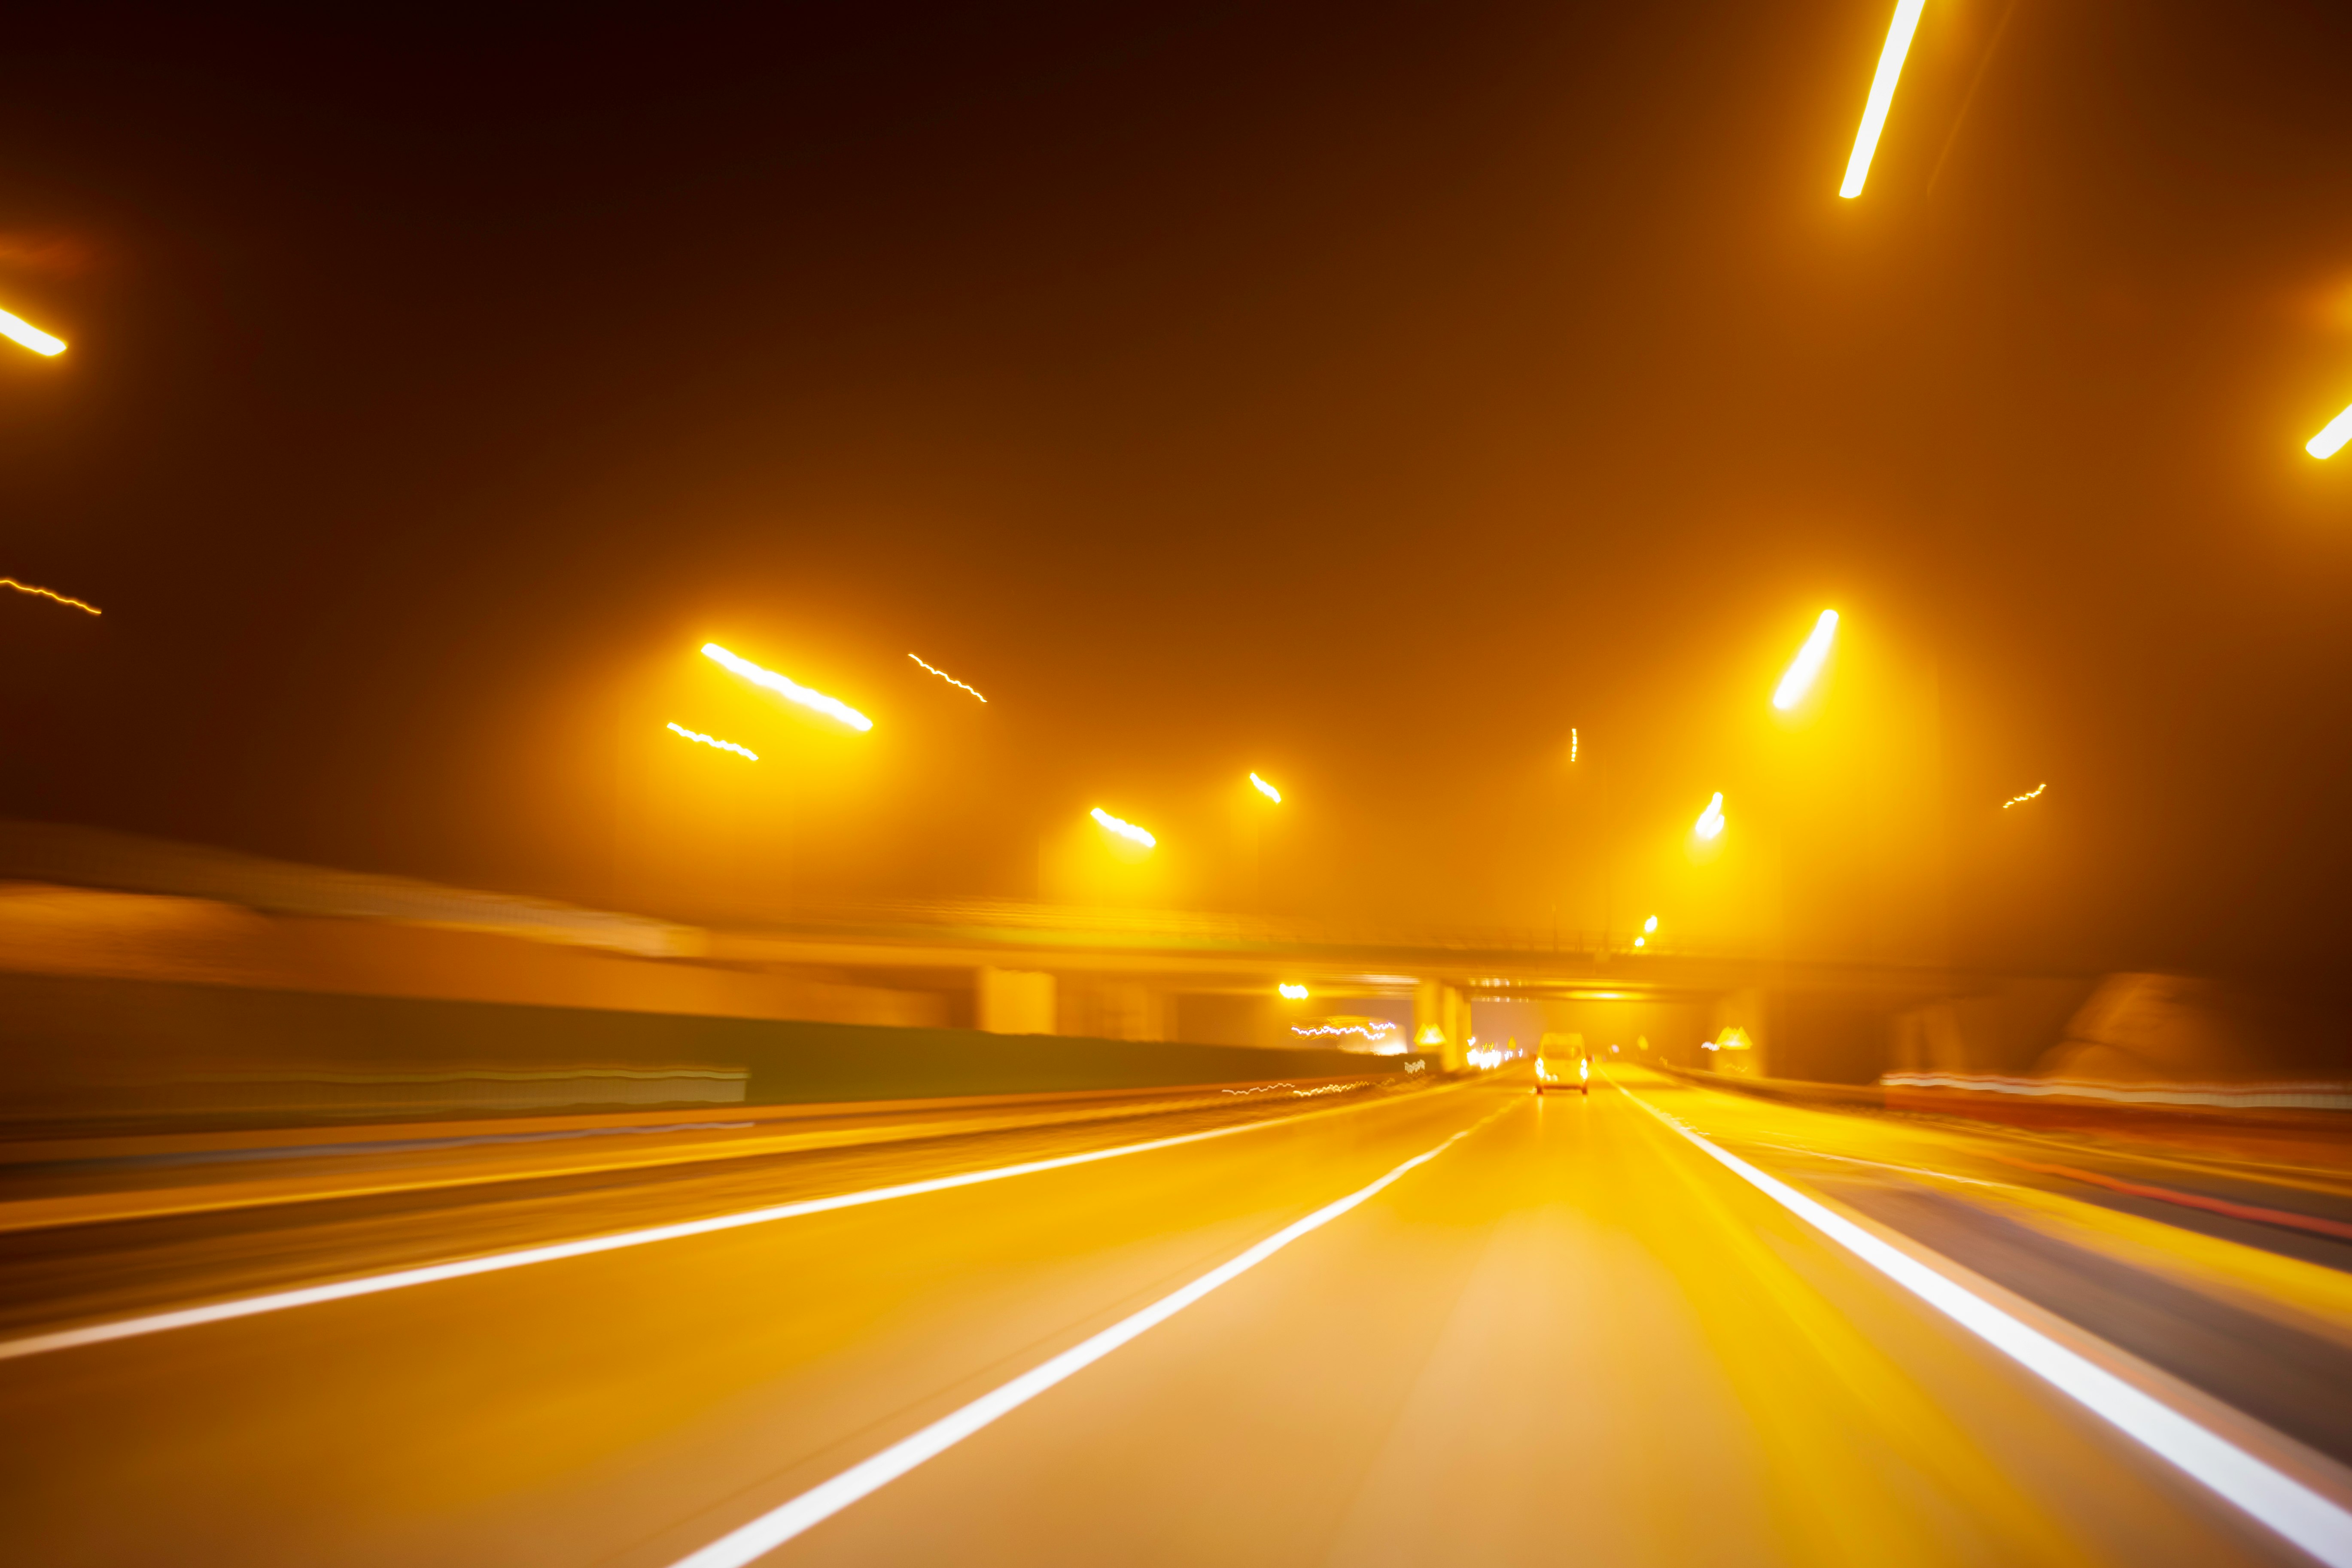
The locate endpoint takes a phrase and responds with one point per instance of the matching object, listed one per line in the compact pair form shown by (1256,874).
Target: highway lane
(1570,1336)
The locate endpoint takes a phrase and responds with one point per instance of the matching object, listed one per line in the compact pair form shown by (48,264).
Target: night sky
(1364,394)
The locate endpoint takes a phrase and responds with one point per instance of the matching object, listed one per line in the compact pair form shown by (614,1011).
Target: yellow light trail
(1266,789)
(700,739)
(1882,94)
(1127,830)
(2330,440)
(2022,799)
(1292,993)
(1376,1030)
(48,594)
(1710,821)
(1806,667)
(1650,926)
(22,330)
(942,674)
(785,687)
(1572,745)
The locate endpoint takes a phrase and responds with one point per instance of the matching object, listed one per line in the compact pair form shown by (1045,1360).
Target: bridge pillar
(1441,1023)
(1014,1001)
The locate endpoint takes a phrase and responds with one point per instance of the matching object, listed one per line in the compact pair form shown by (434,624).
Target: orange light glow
(48,594)
(698,737)
(786,687)
(1266,789)
(1710,821)
(2020,800)
(1292,993)
(1806,667)
(1882,94)
(2331,438)
(1127,830)
(943,675)
(1572,745)
(18,330)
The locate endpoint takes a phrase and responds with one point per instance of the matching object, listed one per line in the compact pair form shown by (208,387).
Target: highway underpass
(1581,1330)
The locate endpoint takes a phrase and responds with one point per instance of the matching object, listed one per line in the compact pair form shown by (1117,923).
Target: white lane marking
(2285,1505)
(496,1262)
(822,1502)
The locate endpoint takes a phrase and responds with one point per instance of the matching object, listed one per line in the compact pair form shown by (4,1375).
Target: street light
(785,687)
(19,330)
(1806,667)
(2331,439)
(1882,95)
(1127,830)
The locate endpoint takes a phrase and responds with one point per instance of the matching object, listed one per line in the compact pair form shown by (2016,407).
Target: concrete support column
(1441,1023)
(1014,1001)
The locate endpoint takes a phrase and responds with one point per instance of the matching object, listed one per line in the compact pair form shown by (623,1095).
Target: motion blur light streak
(1294,992)
(1651,925)
(1806,667)
(2020,800)
(2306,1517)
(701,739)
(943,675)
(1572,745)
(1127,830)
(21,331)
(48,594)
(1379,1029)
(2331,438)
(1882,95)
(497,1262)
(814,1507)
(1266,789)
(1710,821)
(787,687)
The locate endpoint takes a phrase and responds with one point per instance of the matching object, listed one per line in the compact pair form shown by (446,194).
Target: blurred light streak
(1266,789)
(1292,993)
(22,330)
(943,675)
(2020,800)
(699,737)
(785,687)
(2285,1505)
(1806,667)
(1572,745)
(820,1502)
(1378,1029)
(1710,821)
(1641,942)
(1882,94)
(1649,925)
(1127,830)
(49,593)
(2331,438)
(589,1247)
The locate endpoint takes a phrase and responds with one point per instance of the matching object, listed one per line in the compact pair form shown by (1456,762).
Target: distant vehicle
(1552,1069)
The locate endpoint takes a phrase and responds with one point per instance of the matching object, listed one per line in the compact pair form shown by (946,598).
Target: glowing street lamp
(2331,439)
(787,687)
(1882,95)
(18,330)
(1806,667)
(1709,824)
(1265,789)
(1127,830)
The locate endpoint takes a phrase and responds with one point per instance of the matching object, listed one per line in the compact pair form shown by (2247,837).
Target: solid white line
(497,1262)
(2285,1505)
(822,1502)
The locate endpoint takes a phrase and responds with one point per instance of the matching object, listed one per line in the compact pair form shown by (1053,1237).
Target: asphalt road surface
(1605,1329)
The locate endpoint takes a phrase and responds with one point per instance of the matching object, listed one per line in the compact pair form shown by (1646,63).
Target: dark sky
(1363,393)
